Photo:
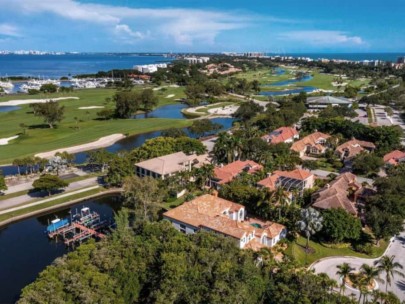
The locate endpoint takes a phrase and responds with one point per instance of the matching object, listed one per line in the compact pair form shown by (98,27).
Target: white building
(211,213)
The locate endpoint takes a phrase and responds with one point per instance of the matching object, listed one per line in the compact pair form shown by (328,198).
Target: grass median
(296,250)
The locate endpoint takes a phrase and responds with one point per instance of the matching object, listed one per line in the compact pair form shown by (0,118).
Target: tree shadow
(39,126)
(401,239)
(401,285)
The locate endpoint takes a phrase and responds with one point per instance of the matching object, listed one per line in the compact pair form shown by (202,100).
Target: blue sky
(280,26)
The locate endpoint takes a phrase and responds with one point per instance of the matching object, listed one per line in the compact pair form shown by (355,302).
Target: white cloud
(185,26)
(9,30)
(322,38)
(124,31)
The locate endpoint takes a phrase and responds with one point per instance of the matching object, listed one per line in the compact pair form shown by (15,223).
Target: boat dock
(80,228)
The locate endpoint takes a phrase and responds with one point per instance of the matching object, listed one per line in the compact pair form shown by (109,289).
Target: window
(182,228)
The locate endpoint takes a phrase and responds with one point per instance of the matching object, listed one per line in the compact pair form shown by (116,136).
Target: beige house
(168,165)
(211,213)
(343,193)
(314,143)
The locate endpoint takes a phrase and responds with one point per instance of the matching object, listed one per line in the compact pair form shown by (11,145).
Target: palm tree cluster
(363,280)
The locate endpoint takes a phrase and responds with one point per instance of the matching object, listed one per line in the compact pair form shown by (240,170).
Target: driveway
(396,247)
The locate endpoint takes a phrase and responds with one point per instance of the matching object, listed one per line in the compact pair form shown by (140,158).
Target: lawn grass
(55,202)
(85,128)
(173,204)
(296,250)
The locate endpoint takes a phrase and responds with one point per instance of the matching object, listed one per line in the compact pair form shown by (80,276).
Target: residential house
(225,174)
(343,192)
(211,213)
(314,143)
(353,147)
(394,158)
(282,135)
(164,166)
(296,179)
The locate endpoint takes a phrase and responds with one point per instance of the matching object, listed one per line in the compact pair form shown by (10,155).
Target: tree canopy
(50,111)
(154,263)
(49,183)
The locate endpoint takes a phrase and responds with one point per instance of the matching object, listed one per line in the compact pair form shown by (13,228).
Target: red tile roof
(281,135)
(227,173)
(394,157)
(335,194)
(270,182)
(354,147)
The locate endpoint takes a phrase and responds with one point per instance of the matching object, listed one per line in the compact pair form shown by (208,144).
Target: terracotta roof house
(314,143)
(394,158)
(296,179)
(281,135)
(343,192)
(225,174)
(211,213)
(167,165)
(353,147)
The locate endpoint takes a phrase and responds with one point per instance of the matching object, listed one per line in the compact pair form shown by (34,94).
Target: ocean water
(56,66)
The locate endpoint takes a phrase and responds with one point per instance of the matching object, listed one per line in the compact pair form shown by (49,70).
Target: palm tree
(203,174)
(369,273)
(389,266)
(344,270)
(280,197)
(310,223)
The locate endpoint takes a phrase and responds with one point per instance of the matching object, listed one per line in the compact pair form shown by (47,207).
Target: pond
(172,111)
(25,249)
(4,109)
(307,89)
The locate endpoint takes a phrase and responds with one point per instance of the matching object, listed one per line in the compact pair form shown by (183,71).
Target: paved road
(28,184)
(13,202)
(396,247)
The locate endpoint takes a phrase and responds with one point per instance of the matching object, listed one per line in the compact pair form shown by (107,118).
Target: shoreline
(56,207)
(102,142)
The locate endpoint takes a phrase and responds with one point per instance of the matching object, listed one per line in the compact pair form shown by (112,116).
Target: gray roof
(328,100)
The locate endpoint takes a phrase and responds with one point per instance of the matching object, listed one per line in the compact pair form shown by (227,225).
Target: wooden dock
(82,233)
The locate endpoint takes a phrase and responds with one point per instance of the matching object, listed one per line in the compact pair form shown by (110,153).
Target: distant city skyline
(289,26)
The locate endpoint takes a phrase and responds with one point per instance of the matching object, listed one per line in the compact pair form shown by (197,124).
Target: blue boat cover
(55,226)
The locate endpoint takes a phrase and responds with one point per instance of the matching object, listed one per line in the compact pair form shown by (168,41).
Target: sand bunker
(18,102)
(170,96)
(91,107)
(4,141)
(103,142)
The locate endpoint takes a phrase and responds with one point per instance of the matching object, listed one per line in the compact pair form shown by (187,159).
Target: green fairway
(79,126)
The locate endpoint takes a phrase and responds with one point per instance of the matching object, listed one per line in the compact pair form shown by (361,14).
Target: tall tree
(148,100)
(343,272)
(126,103)
(50,111)
(49,183)
(3,185)
(143,196)
(310,223)
(388,265)
(202,127)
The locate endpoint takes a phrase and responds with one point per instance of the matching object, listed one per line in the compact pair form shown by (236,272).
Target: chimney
(327,186)
(215,193)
